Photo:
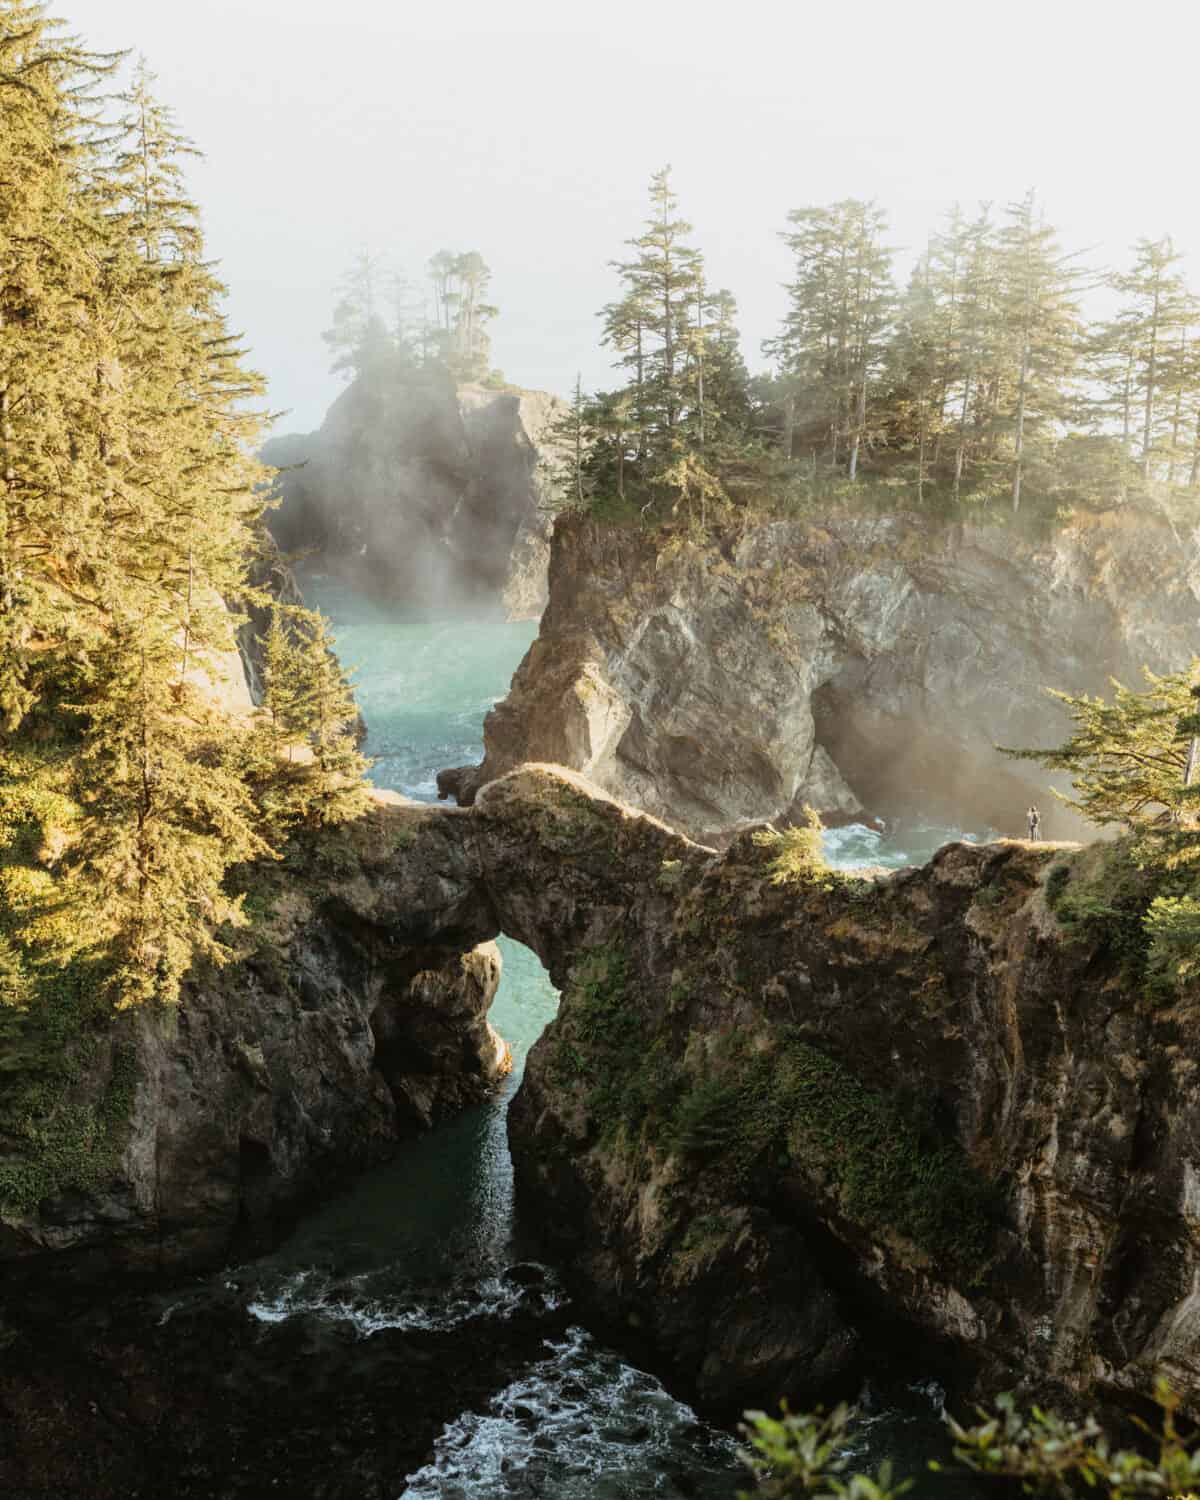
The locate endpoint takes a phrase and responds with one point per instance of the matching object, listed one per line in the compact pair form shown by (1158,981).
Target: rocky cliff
(421,491)
(843,660)
(773,1115)
(354,1015)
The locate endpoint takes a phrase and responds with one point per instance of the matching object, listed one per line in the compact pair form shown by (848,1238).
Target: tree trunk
(789,424)
(700,359)
(860,420)
(961,447)
(1019,428)
(1151,377)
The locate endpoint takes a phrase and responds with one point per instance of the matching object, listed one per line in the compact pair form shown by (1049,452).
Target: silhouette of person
(1035,823)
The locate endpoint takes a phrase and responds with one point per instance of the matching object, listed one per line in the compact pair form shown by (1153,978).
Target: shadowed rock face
(767,1115)
(354,1015)
(425,493)
(841,661)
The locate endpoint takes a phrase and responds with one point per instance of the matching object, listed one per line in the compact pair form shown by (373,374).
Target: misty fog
(529,130)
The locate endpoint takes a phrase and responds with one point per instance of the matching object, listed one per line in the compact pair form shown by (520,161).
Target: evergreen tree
(664,281)
(334,789)
(1133,758)
(52,462)
(167,814)
(358,336)
(128,506)
(1158,309)
(833,342)
(912,407)
(572,436)
(1042,328)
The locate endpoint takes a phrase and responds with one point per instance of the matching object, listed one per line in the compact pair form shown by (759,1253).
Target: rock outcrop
(772,1114)
(420,491)
(840,660)
(354,1015)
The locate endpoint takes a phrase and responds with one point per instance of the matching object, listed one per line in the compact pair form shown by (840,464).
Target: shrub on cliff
(1134,760)
(797,853)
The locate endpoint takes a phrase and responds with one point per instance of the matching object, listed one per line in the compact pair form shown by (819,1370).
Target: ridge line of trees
(980,382)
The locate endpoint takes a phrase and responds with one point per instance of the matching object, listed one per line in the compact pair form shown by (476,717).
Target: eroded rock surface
(769,1114)
(355,1015)
(420,491)
(840,661)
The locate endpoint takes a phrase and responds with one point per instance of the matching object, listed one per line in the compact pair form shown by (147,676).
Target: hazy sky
(528,130)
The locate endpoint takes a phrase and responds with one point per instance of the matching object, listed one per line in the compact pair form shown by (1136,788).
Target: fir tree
(358,336)
(1041,322)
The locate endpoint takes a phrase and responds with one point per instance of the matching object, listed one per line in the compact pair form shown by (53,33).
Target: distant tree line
(980,382)
(382,320)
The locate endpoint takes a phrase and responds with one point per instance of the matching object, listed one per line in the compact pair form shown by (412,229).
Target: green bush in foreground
(806,1454)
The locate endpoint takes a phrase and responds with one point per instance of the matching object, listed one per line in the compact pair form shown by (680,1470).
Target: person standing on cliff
(1035,824)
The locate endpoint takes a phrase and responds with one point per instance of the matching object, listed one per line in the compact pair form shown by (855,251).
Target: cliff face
(354,1015)
(424,492)
(768,1117)
(841,661)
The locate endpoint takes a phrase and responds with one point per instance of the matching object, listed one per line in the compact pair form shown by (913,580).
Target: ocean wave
(309,1293)
(579,1414)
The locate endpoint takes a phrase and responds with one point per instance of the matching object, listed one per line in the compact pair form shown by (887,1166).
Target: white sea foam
(307,1292)
(573,1417)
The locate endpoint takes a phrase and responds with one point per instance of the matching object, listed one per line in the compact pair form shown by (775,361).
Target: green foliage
(807,1455)
(1056,884)
(888,1162)
(1129,759)
(1134,761)
(129,512)
(1172,930)
(797,853)
(1103,899)
(675,441)
(1050,1455)
(56,1131)
(630,1080)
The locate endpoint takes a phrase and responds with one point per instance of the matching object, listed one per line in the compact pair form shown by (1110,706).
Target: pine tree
(334,789)
(1041,322)
(1158,307)
(912,406)
(1133,758)
(128,505)
(663,280)
(572,436)
(358,336)
(282,710)
(51,463)
(833,341)
(166,815)
(625,324)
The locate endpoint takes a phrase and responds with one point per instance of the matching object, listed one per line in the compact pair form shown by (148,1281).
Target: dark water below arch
(432,1240)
